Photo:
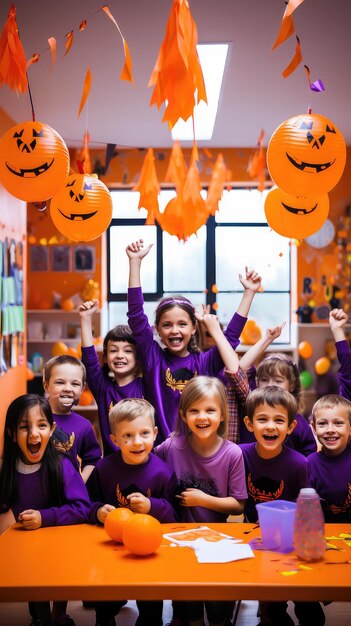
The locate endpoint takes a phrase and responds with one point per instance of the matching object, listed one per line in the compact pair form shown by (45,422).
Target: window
(236,237)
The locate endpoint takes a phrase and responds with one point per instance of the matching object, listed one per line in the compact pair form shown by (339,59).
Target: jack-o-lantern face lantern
(306,155)
(34,161)
(82,209)
(296,217)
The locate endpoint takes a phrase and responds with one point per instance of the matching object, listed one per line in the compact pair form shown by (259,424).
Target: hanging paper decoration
(69,41)
(256,168)
(86,90)
(177,75)
(296,217)
(317,85)
(127,73)
(13,65)
(177,169)
(149,188)
(306,155)
(84,156)
(82,209)
(52,44)
(295,61)
(34,161)
(217,183)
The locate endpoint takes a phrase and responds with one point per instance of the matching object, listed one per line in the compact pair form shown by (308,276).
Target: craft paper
(224,551)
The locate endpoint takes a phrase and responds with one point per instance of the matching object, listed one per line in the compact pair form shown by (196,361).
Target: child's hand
(337,318)
(103,512)
(30,519)
(139,503)
(274,333)
(252,280)
(192,497)
(210,321)
(136,250)
(88,308)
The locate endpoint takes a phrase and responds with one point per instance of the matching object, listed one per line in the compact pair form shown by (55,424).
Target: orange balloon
(296,217)
(322,365)
(72,352)
(82,209)
(251,333)
(59,348)
(306,155)
(142,534)
(34,161)
(86,398)
(305,349)
(115,521)
(67,305)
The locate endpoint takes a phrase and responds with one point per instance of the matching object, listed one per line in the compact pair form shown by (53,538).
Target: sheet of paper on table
(211,546)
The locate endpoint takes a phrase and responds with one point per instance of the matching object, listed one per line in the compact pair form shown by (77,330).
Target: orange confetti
(149,188)
(86,89)
(215,306)
(127,73)
(69,41)
(295,61)
(13,66)
(281,254)
(218,180)
(214,289)
(177,71)
(52,44)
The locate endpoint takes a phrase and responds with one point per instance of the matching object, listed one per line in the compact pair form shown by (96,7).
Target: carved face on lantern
(296,217)
(82,209)
(306,155)
(34,161)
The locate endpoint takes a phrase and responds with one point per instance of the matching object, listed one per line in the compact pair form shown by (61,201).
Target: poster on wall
(84,259)
(11,299)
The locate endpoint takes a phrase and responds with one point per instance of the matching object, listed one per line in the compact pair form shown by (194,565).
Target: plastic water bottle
(309,542)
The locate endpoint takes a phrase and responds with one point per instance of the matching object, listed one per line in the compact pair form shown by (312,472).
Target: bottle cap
(308,491)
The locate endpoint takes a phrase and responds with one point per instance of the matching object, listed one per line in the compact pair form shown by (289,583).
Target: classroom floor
(12,614)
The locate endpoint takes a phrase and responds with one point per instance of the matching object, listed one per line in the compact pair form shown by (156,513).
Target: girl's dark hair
(53,479)
(282,365)
(183,303)
(121,332)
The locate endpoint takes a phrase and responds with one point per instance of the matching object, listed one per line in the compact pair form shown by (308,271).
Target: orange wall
(12,224)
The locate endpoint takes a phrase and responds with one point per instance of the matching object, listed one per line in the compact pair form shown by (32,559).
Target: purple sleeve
(302,438)
(344,373)
(90,451)
(76,510)
(211,361)
(162,507)
(148,348)
(95,375)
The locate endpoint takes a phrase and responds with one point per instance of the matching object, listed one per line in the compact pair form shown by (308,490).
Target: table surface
(82,563)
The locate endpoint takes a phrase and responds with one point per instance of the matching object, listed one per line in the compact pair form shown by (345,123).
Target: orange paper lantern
(322,365)
(296,217)
(34,161)
(142,534)
(82,209)
(59,348)
(115,521)
(305,349)
(306,155)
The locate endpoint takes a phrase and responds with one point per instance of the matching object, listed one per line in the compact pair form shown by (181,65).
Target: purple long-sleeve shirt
(331,478)
(75,436)
(107,393)
(280,478)
(113,480)
(165,374)
(344,374)
(32,493)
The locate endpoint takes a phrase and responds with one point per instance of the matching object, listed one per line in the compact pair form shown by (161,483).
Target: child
(38,486)
(64,380)
(279,369)
(167,371)
(273,472)
(337,320)
(132,477)
(330,468)
(120,358)
(210,470)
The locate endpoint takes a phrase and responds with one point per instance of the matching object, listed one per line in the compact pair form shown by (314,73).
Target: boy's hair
(282,365)
(201,387)
(183,303)
(62,359)
(329,402)
(129,409)
(273,396)
(121,332)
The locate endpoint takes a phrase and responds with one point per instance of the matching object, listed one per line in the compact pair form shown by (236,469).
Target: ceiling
(254,94)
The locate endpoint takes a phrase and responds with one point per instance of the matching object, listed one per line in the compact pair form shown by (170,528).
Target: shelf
(63,339)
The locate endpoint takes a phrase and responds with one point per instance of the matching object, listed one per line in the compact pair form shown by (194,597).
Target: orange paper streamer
(149,188)
(33,59)
(177,75)
(127,73)
(287,28)
(84,156)
(256,168)
(13,65)
(292,5)
(295,61)
(52,44)
(177,170)
(217,183)
(69,41)
(86,89)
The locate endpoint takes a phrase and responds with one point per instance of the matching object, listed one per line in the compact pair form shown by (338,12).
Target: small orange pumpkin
(34,161)
(142,534)
(58,348)
(115,522)
(86,398)
(306,155)
(82,209)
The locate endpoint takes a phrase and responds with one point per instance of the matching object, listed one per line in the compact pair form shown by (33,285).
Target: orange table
(81,563)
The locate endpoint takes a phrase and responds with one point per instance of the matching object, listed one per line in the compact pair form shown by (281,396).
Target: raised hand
(136,250)
(251,281)
(88,308)
(274,333)
(337,318)
(209,320)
